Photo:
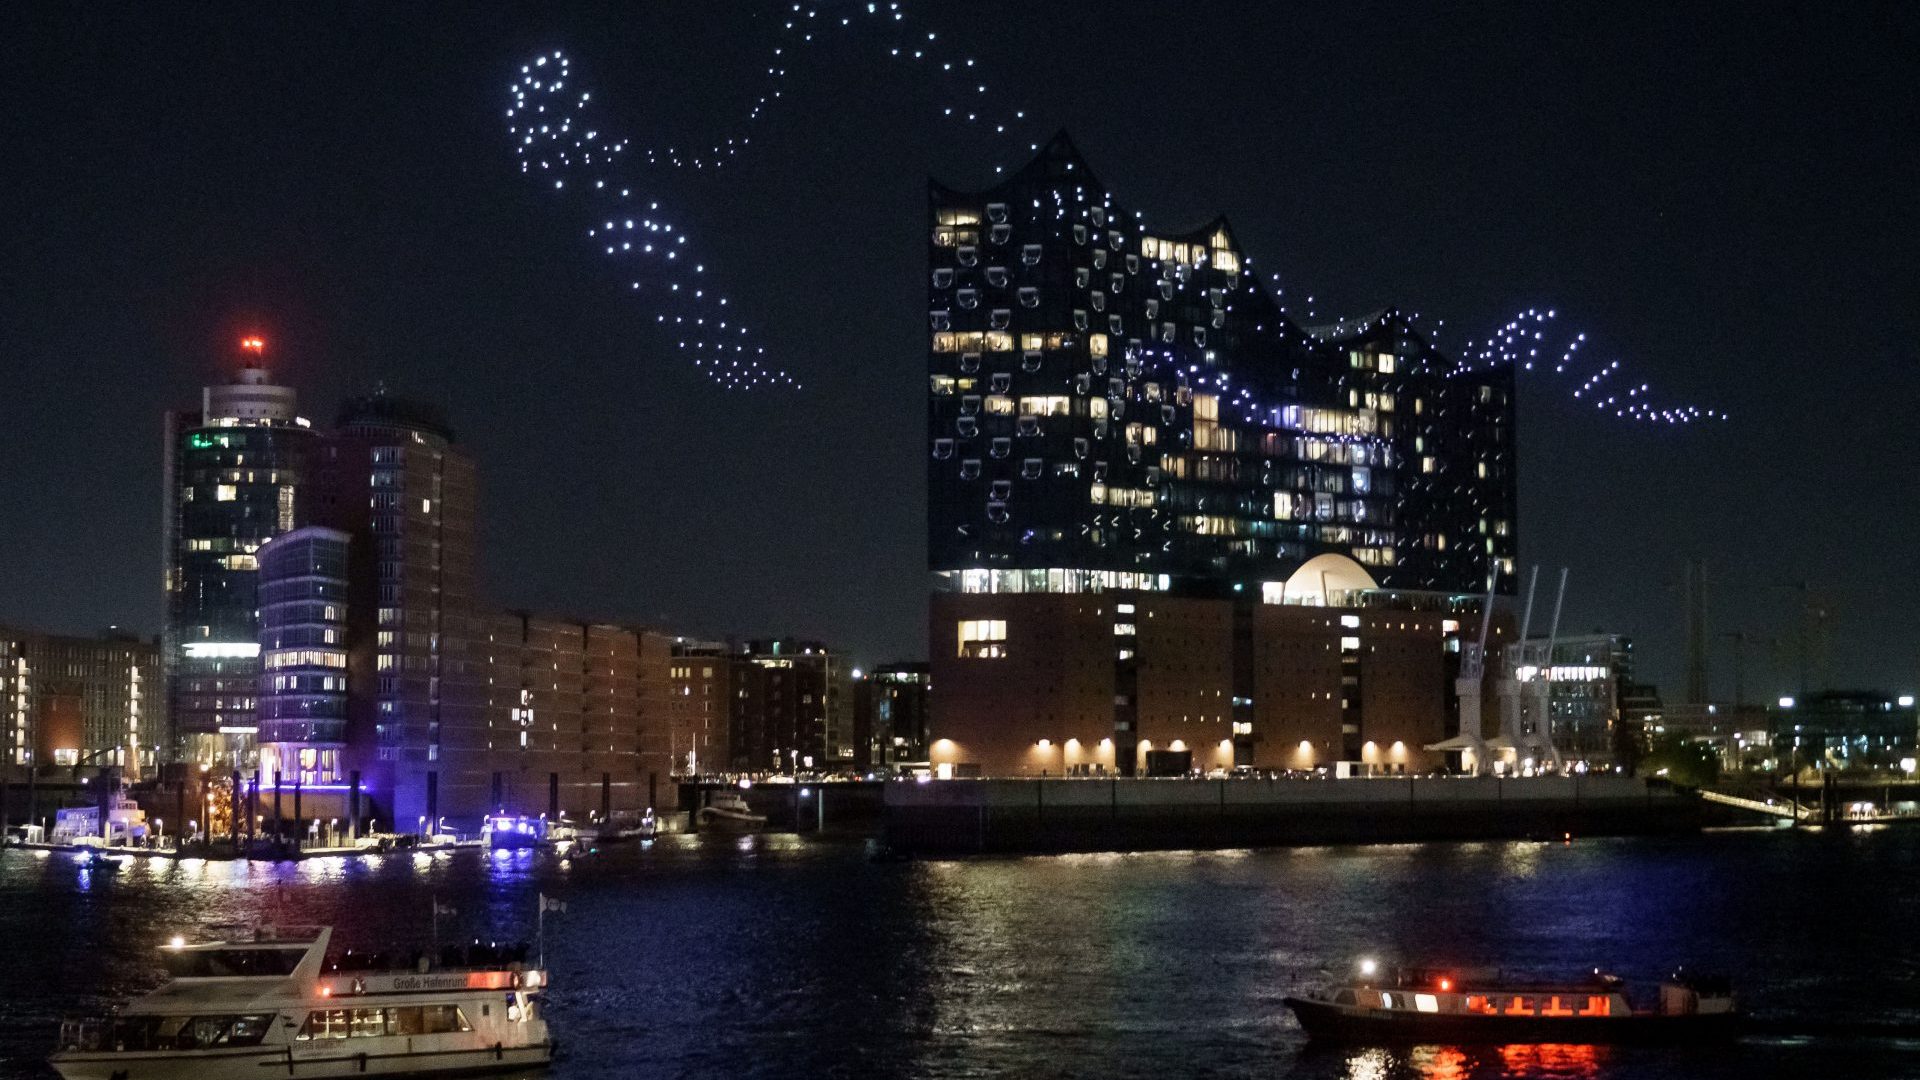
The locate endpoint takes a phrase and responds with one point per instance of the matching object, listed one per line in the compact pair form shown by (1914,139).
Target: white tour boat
(273,1006)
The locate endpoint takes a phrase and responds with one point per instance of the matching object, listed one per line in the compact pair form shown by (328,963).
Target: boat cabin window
(186,1032)
(1478,1003)
(1344,997)
(1518,1006)
(1597,1005)
(222,963)
(404,1020)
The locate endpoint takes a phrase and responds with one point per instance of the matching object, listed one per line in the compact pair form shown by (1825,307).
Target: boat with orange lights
(272,1004)
(1479,1006)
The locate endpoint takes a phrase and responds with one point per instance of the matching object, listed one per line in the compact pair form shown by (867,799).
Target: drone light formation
(1528,342)
(557,143)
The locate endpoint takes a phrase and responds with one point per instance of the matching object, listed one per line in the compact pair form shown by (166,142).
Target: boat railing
(471,957)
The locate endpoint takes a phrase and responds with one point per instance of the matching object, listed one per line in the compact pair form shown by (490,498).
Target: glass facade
(232,472)
(303,655)
(1113,407)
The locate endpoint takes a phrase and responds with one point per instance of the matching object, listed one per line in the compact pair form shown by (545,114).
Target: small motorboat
(95,861)
(507,833)
(729,810)
(625,826)
(1417,1005)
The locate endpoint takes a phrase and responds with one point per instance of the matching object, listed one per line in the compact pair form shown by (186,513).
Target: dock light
(1046,744)
(1907,765)
(1369,967)
(1906,701)
(176,942)
(1786,703)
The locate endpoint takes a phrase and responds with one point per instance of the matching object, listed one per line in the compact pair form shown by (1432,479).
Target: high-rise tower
(231,472)
(1143,478)
(1114,407)
(391,477)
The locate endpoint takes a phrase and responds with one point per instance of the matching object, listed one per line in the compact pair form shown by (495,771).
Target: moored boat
(272,1006)
(729,810)
(626,826)
(504,832)
(1476,1006)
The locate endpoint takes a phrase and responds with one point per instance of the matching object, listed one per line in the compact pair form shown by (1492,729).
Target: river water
(774,956)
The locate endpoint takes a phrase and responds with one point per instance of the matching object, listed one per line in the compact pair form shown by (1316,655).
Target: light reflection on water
(776,956)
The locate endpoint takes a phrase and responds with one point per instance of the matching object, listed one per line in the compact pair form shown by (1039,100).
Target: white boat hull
(729,821)
(300,1062)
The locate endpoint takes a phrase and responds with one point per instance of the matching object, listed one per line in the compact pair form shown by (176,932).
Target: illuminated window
(983,639)
(225,493)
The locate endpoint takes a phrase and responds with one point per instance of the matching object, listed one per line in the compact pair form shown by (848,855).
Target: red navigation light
(1446,984)
(253,344)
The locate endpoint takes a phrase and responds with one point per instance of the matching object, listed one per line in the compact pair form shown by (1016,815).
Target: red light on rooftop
(253,344)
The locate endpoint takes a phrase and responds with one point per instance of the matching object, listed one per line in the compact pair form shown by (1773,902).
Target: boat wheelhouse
(274,1006)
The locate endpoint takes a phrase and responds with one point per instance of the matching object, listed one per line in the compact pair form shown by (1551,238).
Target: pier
(1045,815)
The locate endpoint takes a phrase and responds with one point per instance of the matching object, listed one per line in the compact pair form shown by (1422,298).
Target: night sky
(1724,197)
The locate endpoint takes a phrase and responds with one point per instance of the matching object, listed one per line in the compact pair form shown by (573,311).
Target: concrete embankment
(959,816)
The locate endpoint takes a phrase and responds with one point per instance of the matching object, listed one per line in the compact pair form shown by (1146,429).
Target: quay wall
(1046,815)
